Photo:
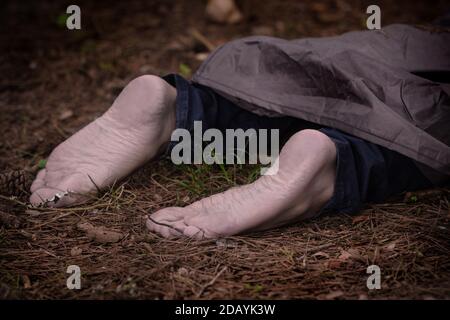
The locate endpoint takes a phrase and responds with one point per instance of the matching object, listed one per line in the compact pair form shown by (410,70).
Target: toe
(43,195)
(55,198)
(164,229)
(62,189)
(194,232)
(168,222)
(176,222)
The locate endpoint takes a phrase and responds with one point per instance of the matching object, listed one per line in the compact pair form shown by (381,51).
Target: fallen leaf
(66,114)
(100,234)
(321,254)
(76,251)
(360,218)
(355,254)
(390,247)
(334,263)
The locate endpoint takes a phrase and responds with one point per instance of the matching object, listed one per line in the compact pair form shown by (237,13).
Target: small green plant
(42,163)
(254,174)
(195,177)
(225,173)
(61,19)
(185,70)
(256,288)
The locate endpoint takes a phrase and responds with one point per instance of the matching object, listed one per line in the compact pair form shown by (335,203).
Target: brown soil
(54,81)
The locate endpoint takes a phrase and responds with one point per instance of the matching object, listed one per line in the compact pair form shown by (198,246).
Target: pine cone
(15,183)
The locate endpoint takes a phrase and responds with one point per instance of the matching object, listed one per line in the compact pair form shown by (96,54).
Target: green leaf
(255,288)
(185,70)
(42,163)
(61,19)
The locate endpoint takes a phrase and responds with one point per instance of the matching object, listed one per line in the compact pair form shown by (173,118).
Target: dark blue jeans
(366,172)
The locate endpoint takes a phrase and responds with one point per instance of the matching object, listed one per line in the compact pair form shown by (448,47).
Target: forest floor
(54,81)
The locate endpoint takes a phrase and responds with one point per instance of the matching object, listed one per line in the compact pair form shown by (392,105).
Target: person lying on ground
(365,116)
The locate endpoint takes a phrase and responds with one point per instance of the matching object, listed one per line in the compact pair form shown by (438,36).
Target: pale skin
(137,128)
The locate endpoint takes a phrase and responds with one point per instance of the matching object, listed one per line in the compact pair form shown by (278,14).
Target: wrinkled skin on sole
(302,186)
(128,135)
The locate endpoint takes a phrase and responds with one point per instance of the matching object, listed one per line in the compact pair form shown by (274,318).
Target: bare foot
(130,133)
(302,186)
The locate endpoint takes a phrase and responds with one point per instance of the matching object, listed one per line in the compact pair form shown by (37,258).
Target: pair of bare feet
(136,129)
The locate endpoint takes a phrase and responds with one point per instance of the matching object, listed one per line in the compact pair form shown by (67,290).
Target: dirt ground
(54,81)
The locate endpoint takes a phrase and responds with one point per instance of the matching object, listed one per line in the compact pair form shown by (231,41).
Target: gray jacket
(371,84)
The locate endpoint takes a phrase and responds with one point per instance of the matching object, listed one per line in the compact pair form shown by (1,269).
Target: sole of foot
(300,188)
(132,132)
